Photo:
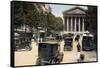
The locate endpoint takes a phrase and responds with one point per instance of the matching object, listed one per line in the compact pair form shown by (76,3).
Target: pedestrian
(82,57)
(57,37)
(78,51)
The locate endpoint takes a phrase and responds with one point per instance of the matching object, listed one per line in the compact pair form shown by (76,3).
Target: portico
(74,20)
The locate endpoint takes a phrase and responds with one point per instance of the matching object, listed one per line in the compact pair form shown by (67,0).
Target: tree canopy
(32,15)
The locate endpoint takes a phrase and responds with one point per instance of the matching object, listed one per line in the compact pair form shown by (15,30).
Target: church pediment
(75,10)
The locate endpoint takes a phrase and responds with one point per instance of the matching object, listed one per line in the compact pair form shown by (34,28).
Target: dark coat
(78,47)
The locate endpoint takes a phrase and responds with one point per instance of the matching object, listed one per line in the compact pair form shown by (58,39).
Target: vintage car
(68,44)
(49,53)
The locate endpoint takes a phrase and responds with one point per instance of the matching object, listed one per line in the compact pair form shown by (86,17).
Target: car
(48,53)
(68,35)
(68,44)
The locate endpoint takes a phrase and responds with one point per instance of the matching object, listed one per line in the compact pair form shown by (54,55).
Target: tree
(59,24)
(54,23)
(32,16)
(28,14)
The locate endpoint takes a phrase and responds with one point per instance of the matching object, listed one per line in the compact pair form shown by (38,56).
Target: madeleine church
(74,20)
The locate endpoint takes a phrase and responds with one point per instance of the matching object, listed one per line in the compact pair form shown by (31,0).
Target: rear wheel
(52,61)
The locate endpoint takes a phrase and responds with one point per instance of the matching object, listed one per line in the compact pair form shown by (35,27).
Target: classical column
(71,24)
(83,25)
(79,24)
(67,24)
(75,25)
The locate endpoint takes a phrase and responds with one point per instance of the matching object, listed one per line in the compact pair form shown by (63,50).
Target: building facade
(74,20)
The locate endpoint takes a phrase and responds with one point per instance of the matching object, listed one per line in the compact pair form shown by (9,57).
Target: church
(74,20)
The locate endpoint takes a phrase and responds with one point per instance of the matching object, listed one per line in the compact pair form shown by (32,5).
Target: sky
(57,10)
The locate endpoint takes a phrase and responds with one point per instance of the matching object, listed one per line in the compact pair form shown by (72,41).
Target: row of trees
(33,16)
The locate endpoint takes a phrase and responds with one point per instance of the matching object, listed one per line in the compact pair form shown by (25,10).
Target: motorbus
(88,42)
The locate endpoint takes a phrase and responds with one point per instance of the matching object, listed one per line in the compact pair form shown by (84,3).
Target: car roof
(49,42)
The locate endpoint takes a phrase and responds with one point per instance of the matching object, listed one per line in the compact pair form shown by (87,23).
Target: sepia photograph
(53,33)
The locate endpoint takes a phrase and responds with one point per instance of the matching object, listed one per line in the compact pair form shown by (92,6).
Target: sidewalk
(27,57)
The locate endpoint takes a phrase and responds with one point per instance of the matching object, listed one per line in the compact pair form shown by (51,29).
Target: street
(71,56)
(23,58)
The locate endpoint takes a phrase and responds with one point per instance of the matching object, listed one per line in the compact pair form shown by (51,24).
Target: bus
(87,42)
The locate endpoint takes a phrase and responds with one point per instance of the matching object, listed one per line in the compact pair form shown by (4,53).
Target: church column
(75,25)
(71,24)
(83,25)
(67,24)
(79,24)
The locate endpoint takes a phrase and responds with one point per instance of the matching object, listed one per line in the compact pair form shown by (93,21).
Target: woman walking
(78,51)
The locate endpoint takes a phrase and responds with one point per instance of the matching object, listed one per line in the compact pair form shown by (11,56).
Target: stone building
(74,20)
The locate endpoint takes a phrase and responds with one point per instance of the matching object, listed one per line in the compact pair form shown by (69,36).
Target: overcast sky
(58,9)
